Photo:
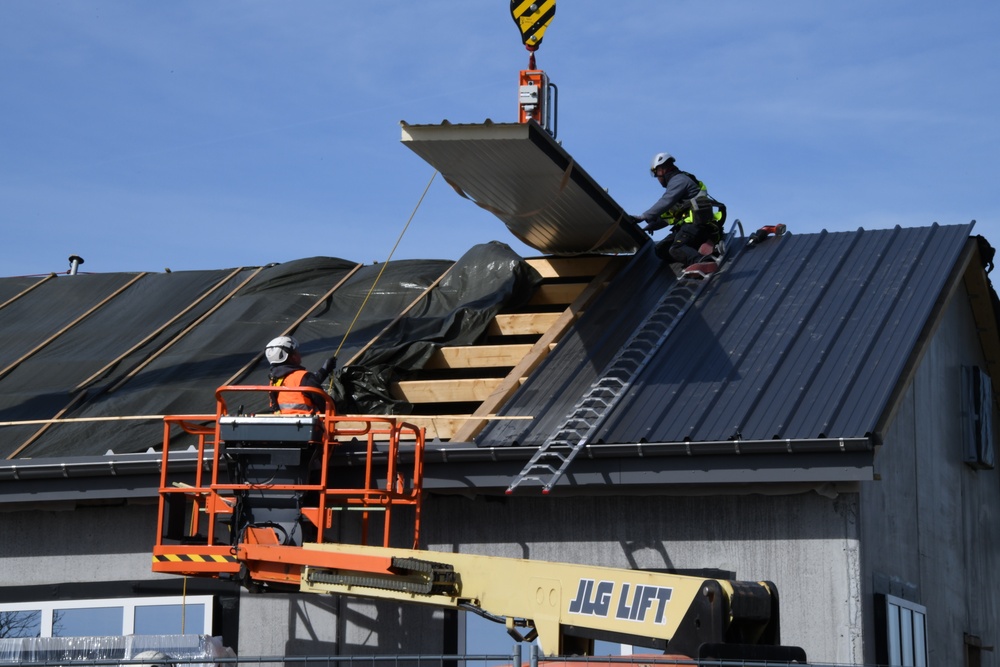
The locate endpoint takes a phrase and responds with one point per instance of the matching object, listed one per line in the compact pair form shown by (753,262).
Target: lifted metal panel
(520,174)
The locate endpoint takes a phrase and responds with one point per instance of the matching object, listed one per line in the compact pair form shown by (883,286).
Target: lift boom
(268,503)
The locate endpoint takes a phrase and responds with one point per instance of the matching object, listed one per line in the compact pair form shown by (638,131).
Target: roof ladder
(549,463)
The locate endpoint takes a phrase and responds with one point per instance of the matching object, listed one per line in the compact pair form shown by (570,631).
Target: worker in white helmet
(287,372)
(686,208)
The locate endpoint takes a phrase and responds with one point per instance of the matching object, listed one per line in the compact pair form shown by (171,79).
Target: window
(977,410)
(902,636)
(974,650)
(106,618)
(20,623)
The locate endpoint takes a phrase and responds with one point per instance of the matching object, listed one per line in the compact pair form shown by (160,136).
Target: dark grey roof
(802,338)
(102,351)
(797,346)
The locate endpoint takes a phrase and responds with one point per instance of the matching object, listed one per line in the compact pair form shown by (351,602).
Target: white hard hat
(279,349)
(660,159)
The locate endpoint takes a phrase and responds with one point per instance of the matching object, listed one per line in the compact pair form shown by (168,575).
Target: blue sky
(195,135)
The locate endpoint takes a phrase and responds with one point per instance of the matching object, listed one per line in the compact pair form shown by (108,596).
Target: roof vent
(74,264)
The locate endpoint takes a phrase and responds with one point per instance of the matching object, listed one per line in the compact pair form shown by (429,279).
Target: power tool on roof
(765,231)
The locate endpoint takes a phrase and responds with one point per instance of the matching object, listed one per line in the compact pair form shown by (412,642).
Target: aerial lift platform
(269,505)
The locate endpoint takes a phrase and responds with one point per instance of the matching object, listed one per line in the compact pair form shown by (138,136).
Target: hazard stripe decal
(532,18)
(193,558)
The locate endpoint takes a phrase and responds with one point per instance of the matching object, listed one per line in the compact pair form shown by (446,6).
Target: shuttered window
(977,410)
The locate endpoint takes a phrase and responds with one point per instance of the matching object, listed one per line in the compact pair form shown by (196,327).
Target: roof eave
(463,468)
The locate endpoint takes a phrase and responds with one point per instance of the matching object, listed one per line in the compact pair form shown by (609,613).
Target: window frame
(977,412)
(901,632)
(127,605)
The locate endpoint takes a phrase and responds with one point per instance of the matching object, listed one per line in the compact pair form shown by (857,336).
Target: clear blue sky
(194,135)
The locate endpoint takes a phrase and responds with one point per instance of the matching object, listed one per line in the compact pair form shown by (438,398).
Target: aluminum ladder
(548,464)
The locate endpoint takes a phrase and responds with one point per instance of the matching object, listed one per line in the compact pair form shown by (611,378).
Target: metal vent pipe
(74,264)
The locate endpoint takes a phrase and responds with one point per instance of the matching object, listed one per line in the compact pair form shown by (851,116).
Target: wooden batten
(569,267)
(477,356)
(444,391)
(522,324)
(450,376)
(557,294)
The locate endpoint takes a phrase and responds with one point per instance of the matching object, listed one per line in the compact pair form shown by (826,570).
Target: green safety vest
(683,212)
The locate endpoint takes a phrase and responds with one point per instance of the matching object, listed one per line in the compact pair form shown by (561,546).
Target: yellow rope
(384,264)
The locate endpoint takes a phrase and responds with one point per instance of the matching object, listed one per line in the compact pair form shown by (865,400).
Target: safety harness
(702,209)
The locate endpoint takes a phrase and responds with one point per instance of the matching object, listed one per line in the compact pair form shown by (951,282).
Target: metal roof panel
(520,174)
(802,337)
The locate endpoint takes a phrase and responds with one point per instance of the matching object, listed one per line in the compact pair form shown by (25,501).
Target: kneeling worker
(287,372)
(686,208)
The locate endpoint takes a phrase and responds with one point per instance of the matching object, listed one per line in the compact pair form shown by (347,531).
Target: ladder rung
(564,443)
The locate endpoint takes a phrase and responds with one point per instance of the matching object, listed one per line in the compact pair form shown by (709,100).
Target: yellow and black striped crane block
(532,18)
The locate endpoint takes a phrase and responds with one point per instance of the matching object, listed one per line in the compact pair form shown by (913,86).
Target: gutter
(465,468)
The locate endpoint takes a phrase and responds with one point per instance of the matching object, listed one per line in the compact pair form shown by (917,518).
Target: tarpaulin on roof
(522,175)
(487,278)
(117,346)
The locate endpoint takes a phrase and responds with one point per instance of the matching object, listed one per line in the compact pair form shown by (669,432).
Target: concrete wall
(89,544)
(805,543)
(326,625)
(930,525)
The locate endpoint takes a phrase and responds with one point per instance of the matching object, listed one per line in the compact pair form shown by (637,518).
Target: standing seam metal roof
(801,337)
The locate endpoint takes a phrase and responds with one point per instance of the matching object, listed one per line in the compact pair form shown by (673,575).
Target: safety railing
(247,465)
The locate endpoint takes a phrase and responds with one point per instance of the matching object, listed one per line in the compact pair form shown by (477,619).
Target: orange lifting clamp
(537,96)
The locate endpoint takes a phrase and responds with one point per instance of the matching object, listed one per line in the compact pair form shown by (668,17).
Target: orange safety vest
(291,402)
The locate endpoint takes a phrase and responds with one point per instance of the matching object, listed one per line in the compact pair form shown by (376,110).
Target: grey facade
(881,502)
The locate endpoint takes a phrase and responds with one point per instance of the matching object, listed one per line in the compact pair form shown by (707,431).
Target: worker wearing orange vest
(287,372)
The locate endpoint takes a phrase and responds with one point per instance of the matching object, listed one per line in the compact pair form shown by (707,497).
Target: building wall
(930,529)
(805,543)
(88,544)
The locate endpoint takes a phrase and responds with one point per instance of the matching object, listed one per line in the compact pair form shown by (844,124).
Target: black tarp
(201,347)
(488,278)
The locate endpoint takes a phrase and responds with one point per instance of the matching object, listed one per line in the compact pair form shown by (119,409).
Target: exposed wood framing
(604,269)
(477,356)
(569,267)
(522,324)
(552,294)
(515,344)
(445,391)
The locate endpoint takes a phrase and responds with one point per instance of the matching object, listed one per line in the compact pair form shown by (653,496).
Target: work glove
(330,365)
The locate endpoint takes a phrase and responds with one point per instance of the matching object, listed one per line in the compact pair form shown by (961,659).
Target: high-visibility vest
(291,402)
(700,208)
(683,212)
